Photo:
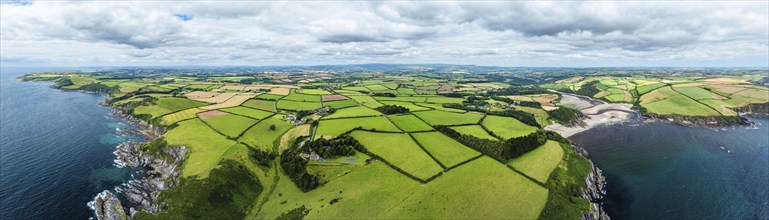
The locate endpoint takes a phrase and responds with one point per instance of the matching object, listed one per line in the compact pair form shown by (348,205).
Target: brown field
(544,99)
(427,87)
(520,98)
(725,80)
(754,93)
(727,89)
(329,98)
(653,96)
(445,88)
(485,85)
(221,97)
(687,85)
(280,91)
(197,95)
(211,114)
(239,88)
(235,100)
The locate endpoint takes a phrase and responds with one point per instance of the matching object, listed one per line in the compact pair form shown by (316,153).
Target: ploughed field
(240,139)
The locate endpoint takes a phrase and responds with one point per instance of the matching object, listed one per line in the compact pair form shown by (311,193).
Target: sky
(527,33)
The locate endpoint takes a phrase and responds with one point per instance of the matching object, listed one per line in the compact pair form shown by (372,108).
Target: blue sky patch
(184,17)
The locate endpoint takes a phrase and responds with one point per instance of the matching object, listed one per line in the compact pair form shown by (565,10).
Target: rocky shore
(594,190)
(161,171)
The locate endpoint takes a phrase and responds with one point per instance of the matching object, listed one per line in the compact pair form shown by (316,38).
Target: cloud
(487,33)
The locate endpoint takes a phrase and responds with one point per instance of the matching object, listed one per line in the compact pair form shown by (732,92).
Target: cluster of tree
(525,117)
(476,100)
(98,87)
(514,102)
(499,150)
(295,165)
(263,158)
(344,145)
(249,81)
(383,94)
(453,94)
(518,90)
(588,89)
(392,109)
(63,82)
(566,115)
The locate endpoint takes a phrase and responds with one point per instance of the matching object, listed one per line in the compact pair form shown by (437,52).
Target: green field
(448,151)
(341,103)
(409,123)
(540,162)
(357,111)
(474,130)
(204,146)
(411,106)
(448,118)
(331,128)
(507,127)
(696,93)
(269,96)
(365,100)
(647,88)
(261,136)
(313,91)
(440,107)
(402,98)
(178,104)
(248,112)
(152,110)
(229,124)
(294,96)
(441,99)
(298,105)
(480,189)
(679,104)
(400,151)
(180,116)
(260,104)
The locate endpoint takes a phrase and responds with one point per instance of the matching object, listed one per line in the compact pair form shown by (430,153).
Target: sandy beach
(597,112)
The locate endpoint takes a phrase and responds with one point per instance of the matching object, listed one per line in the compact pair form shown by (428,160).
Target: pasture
(341,104)
(261,136)
(474,130)
(368,101)
(229,124)
(448,118)
(399,150)
(448,151)
(235,100)
(205,146)
(411,106)
(298,105)
(357,111)
(540,162)
(178,104)
(335,127)
(507,127)
(268,96)
(261,104)
(152,110)
(409,123)
(295,96)
(180,116)
(248,112)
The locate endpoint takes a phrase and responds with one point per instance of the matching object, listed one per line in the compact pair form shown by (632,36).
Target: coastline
(157,174)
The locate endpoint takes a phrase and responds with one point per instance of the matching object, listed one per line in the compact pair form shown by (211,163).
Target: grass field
(409,123)
(411,106)
(679,104)
(402,98)
(401,151)
(261,104)
(153,110)
(507,127)
(291,135)
(440,107)
(268,96)
(697,93)
(295,96)
(481,189)
(298,105)
(178,104)
(341,104)
(441,99)
(540,162)
(448,118)
(229,124)
(180,116)
(375,187)
(204,146)
(249,112)
(331,128)
(261,136)
(313,91)
(365,100)
(356,111)
(448,151)
(474,130)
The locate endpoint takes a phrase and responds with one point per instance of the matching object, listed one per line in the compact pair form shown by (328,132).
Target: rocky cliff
(594,190)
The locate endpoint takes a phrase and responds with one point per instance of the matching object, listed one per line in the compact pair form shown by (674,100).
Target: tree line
(295,165)
(503,150)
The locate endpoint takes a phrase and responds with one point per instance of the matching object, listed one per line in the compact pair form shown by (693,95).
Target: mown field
(335,127)
(401,151)
(540,162)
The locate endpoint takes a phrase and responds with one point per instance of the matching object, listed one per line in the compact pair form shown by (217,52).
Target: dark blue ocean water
(55,150)
(667,171)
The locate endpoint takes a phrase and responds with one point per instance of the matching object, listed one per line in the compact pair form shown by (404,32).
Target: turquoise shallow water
(668,171)
(55,150)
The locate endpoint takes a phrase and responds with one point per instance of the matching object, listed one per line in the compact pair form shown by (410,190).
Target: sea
(56,155)
(659,170)
(55,149)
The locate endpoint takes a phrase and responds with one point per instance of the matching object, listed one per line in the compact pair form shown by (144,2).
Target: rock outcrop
(594,190)
(107,207)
